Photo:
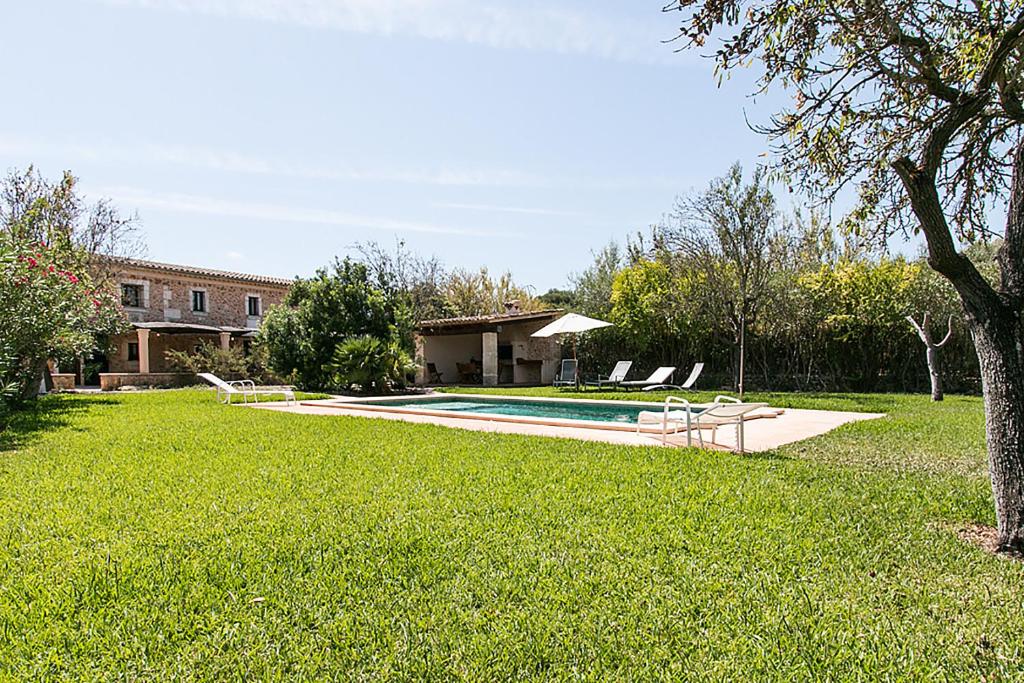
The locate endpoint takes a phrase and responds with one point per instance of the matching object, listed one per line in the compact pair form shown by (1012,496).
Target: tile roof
(203,272)
(488,319)
(171,327)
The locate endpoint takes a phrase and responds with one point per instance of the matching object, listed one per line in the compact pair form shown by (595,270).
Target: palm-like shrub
(371,365)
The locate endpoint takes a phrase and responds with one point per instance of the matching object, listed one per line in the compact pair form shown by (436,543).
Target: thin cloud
(521,25)
(505,209)
(212,206)
(235,162)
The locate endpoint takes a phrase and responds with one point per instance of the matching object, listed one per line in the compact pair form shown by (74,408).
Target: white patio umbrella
(571,323)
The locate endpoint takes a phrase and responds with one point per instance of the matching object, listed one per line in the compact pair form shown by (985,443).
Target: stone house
(176,307)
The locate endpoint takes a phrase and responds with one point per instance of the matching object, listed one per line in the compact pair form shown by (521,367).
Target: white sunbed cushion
(658,416)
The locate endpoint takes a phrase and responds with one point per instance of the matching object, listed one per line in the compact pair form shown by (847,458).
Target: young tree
(732,235)
(932,350)
(919,103)
(593,287)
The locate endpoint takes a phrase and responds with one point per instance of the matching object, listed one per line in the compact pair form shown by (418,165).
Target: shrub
(302,334)
(372,365)
(227,364)
(49,308)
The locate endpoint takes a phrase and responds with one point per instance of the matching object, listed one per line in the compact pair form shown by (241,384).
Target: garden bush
(371,365)
(319,313)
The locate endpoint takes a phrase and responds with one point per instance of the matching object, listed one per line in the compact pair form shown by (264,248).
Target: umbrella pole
(575,339)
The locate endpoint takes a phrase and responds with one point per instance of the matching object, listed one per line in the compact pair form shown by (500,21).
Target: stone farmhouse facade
(176,307)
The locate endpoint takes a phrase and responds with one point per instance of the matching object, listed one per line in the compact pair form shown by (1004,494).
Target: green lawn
(160,536)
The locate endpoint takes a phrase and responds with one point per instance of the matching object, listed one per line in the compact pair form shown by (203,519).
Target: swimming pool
(606,414)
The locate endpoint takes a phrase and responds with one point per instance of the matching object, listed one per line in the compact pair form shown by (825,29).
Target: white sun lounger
(659,379)
(724,411)
(655,381)
(616,377)
(676,418)
(245,388)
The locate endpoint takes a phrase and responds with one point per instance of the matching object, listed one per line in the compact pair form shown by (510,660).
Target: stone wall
(159,344)
(167,296)
(110,381)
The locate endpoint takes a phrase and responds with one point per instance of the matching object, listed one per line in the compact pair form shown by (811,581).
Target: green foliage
(478,293)
(833,325)
(320,313)
(875,83)
(50,305)
(559,298)
(165,537)
(228,364)
(861,301)
(371,365)
(593,287)
(654,308)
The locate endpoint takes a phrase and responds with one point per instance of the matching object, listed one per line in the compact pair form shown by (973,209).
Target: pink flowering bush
(48,308)
(51,307)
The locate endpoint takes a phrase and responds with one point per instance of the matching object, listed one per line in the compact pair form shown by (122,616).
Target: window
(131,296)
(198,301)
(253,306)
(133,350)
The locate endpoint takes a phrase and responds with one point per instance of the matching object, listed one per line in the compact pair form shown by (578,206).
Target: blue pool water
(608,411)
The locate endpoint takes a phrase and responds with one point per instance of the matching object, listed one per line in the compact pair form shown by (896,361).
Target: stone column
(421,361)
(490,352)
(143,350)
(225,340)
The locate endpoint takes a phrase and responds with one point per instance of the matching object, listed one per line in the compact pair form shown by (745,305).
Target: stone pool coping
(785,426)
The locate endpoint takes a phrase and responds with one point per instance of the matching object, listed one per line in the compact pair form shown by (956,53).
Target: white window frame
(192,300)
(259,299)
(145,293)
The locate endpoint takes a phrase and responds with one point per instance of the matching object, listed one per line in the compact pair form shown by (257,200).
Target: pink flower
(72,279)
(31,262)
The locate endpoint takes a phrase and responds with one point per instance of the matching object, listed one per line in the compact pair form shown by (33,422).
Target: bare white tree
(934,360)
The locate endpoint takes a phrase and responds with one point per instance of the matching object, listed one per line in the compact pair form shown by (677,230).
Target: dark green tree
(320,313)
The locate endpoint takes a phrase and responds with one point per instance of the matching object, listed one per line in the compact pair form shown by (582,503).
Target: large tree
(919,104)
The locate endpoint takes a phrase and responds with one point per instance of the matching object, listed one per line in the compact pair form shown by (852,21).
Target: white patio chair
(245,388)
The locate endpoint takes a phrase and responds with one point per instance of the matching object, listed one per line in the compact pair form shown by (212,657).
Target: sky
(268,136)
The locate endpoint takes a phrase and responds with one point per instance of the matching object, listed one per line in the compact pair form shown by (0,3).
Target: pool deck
(764,434)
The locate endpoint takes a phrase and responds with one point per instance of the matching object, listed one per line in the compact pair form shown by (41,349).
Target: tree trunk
(935,372)
(998,342)
(743,353)
(993,317)
(932,351)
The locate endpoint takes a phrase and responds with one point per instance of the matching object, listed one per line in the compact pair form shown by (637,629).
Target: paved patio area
(761,434)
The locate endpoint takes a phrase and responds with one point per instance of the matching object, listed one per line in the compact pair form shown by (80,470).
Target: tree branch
(949,333)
